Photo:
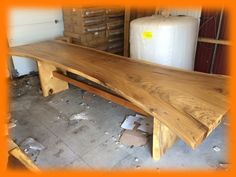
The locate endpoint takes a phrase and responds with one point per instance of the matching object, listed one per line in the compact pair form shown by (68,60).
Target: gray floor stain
(58,154)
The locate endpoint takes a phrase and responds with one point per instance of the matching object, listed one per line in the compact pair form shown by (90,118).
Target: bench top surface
(191,104)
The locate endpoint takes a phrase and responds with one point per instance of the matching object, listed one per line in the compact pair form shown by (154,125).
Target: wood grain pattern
(191,104)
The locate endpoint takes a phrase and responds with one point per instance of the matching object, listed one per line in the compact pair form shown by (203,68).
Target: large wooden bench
(183,104)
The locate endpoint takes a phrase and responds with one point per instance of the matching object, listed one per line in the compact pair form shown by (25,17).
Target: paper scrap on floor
(146,124)
(79,116)
(32,148)
(31,143)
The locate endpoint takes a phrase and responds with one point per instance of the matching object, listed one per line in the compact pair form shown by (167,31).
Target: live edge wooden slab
(187,104)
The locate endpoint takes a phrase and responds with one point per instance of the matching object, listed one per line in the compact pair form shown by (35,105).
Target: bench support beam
(163,139)
(49,83)
(106,95)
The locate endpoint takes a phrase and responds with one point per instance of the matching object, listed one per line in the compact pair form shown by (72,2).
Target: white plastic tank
(168,40)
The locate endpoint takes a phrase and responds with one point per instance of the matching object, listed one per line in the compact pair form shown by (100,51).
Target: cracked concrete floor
(92,143)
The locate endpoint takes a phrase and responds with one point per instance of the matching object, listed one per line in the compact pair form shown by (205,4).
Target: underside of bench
(54,80)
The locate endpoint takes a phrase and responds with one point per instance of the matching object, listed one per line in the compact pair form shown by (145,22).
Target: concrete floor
(92,143)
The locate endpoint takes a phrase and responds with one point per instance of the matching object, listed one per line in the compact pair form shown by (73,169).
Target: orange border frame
(6,5)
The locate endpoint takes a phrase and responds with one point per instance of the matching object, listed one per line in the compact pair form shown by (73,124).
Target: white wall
(32,25)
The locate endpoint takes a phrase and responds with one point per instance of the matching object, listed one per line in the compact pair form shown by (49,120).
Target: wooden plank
(50,84)
(213,41)
(64,38)
(191,104)
(108,96)
(163,139)
(126,31)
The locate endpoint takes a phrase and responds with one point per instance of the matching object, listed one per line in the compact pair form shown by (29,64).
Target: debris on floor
(226,123)
(106,133)
(31,143)
(79,116)
(84,104)
(23,85)
(75,118)
(146,124)
(31,147)
(87,97)
(223,166)
(216,148)
(12,123)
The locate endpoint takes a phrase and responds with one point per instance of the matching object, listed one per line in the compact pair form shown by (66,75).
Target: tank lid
(164,20)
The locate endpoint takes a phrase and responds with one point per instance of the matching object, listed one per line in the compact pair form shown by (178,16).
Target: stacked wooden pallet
(115,30)
(86,26)
(96,27)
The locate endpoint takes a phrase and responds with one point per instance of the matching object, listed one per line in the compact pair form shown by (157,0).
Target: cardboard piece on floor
(134,138)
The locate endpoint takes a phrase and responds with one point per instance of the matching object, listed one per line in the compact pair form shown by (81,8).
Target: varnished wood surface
(191,104)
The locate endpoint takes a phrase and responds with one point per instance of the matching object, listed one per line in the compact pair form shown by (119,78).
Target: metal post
(217,37)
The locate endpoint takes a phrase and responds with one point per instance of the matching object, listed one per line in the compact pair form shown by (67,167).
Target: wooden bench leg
(163,138)
(49,83)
